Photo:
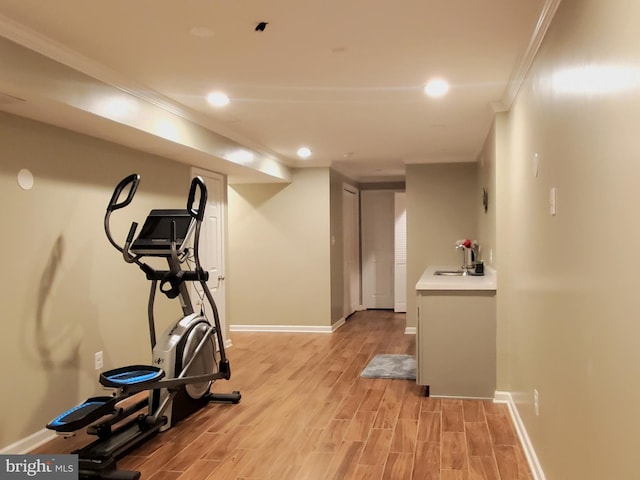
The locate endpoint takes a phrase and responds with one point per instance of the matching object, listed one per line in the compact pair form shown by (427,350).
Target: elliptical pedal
(130,375)
(84,414)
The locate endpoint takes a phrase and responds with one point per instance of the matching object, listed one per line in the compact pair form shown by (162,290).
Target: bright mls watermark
(51,467)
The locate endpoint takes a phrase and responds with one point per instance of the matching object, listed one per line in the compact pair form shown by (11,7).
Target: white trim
(522,69)
(281,328)
(410,330)
(338,324)
(54,50)
(288,328)
(347,228)
(501,397)
(18,33)
(527,446)
(460,397)
(29,443)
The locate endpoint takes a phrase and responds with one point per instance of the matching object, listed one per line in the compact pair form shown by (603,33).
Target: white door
(400,261)
(212,245)
(351,249)
(377,248)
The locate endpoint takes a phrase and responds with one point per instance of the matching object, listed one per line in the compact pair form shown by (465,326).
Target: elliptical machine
(187,358)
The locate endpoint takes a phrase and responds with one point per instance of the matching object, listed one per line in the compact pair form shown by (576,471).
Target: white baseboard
(289,328)
(338,324)
(460,397)
(282,328)
(410,330)
(29,443)
(527,446)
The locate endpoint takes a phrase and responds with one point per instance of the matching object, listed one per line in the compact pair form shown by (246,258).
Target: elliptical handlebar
(125,250)
(197,184)
(131,181)
(134,180)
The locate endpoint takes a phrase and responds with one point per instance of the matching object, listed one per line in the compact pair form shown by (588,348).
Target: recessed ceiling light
(304,152)
(241,156)
(119,107)
(218,99)
(436,88)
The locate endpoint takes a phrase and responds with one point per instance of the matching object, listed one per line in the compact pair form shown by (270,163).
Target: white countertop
(429,281)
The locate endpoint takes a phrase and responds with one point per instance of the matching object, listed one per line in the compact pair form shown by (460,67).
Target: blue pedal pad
(84,414)
(130,375)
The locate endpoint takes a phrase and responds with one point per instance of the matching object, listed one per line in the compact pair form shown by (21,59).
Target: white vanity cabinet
(456,334)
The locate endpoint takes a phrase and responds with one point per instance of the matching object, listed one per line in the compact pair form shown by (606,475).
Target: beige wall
(65,292)
(487,227)
(486,179)
(441,208)
(567,284)
(279,252)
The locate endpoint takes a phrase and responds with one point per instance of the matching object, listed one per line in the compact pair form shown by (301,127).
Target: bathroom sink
(449,273)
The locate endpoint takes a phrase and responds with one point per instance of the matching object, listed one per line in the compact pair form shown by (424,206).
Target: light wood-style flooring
(307,414)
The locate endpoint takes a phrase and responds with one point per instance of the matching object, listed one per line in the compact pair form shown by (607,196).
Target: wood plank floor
(307,414)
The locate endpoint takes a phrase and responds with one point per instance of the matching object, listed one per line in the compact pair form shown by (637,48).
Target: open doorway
(384,255)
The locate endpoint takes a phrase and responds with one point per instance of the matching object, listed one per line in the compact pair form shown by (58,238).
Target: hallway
(307,414)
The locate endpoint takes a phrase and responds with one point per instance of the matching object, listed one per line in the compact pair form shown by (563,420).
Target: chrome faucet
(470,252)
(465,267)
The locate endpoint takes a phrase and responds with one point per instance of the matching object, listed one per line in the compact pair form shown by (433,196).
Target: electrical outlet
(98,360)
(536,402)
(491,256)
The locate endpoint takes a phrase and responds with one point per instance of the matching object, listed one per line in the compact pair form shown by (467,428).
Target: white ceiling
(344,77)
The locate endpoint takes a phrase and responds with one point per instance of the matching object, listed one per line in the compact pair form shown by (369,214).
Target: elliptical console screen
(155,236)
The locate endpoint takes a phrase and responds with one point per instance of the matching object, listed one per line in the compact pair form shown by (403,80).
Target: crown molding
(6,99)
(522,69)
(56,51)
(24,36)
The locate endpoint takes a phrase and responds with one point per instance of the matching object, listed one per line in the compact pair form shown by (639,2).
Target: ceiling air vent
(9,99)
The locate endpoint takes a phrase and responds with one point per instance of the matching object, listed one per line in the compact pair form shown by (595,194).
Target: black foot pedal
(131,375)
(84,414)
